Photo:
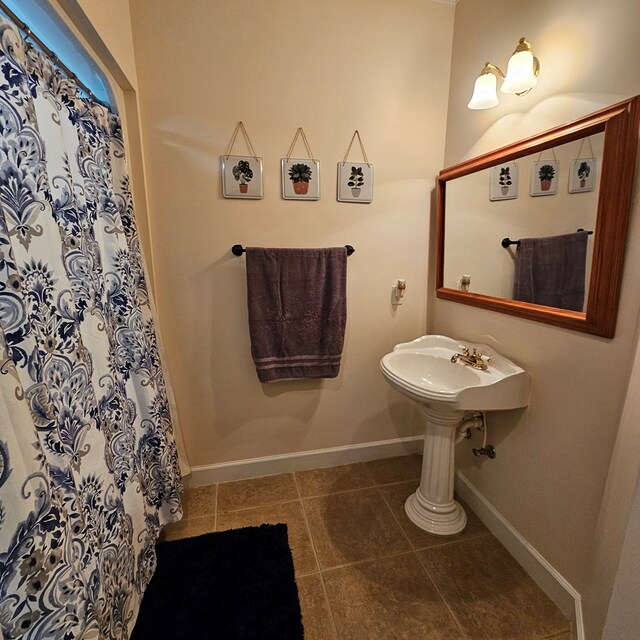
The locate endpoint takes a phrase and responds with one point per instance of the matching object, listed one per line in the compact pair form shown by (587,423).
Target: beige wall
(331,68)
(112,20)
(621,500)
(553,458)
(107,26)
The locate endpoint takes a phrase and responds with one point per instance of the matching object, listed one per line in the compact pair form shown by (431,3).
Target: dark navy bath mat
(229,585)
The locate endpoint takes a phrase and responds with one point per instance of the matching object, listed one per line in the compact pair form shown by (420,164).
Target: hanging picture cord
(240,127)
(364,153)
(588,139)
(299,132)
(552,151)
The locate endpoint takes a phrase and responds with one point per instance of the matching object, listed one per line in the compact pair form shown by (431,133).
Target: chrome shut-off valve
(489,451)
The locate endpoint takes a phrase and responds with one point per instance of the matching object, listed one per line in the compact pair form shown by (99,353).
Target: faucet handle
(480,357)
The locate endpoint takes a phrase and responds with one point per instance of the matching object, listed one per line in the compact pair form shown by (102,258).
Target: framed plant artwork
(503,183)
(544,178)
(241,177)
(355,182)
(300,179)
(582,175)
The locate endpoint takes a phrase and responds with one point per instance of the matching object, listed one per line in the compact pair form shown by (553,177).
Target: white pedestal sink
(446,392)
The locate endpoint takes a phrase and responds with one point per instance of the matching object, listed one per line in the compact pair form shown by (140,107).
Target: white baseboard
(566,598)
(302,461)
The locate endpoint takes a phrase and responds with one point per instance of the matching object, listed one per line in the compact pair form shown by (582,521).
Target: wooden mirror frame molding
(620,124)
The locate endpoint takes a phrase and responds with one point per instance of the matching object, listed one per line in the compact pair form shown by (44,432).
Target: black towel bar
(507,242)
(238,249)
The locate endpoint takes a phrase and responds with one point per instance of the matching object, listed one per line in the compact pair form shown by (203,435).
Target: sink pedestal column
(432,506)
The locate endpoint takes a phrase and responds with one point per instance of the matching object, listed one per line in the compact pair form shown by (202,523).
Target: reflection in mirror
(480,215)
(541,191)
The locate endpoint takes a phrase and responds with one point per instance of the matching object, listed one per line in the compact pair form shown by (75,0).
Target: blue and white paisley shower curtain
(88,465)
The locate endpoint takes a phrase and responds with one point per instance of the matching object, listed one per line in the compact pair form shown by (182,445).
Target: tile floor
(364,571)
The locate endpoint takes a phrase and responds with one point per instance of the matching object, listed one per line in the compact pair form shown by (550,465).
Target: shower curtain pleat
(89,470)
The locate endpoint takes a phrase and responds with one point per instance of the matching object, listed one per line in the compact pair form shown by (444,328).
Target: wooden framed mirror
(474,217)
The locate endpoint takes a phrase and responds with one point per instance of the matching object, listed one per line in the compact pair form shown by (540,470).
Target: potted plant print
(243,174)
(546,174)
(583,173)
(300,175)
(356,180)
(504,180)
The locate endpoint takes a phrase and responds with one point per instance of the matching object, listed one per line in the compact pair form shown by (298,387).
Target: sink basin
(422,369)
(450,396)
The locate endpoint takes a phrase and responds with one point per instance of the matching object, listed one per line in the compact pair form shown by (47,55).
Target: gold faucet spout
(474,358)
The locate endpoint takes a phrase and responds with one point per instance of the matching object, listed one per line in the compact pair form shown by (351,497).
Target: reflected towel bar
(507,242)
(238,249)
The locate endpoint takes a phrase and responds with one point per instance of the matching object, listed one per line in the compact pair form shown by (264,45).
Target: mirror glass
(489,205)
(570,184)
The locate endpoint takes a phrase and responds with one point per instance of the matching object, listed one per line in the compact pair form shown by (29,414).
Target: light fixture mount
(491,68)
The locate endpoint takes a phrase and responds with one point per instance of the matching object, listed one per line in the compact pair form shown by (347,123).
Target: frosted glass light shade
(484,95)
(520,73)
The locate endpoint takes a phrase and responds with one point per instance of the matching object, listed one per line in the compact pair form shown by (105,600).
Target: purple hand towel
(297,311)
(551,271)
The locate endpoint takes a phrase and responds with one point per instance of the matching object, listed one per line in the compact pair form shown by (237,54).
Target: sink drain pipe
(475,420)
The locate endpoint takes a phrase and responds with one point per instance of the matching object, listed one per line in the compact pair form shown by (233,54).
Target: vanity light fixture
(523,69)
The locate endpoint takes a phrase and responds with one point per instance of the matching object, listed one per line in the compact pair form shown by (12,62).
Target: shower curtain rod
(24,27)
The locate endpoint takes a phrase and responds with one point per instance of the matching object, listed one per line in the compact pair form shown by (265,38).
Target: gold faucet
(474,358)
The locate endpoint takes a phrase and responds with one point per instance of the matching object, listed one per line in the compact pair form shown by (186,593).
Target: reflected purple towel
(551,271)
(297,311)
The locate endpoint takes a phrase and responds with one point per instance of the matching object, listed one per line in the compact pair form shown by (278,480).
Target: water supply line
(475,420)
